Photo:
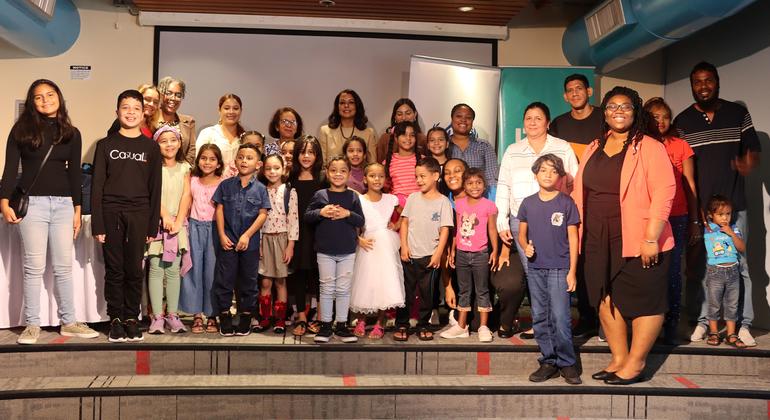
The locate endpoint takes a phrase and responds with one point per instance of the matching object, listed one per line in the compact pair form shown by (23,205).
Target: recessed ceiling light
(326,3)
(465,8)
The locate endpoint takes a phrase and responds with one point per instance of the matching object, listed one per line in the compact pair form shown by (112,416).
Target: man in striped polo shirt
(726,149)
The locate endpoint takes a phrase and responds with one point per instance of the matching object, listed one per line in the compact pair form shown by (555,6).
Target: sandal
(314,327)
(401,334)
(360,330)
(299,329)
(425,334)
(713,339)
(211,326)
(197,326)
(734,341)
(376,333)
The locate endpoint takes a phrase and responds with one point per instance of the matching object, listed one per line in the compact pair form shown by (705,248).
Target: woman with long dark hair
(403,110)
(348,119)
(53,216)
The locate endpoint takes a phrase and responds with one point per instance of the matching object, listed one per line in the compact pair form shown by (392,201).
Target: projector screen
(301,70)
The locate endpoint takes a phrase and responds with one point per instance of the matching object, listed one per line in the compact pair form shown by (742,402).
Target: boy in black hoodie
(125,212)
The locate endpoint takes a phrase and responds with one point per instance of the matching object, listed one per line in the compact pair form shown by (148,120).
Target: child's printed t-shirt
(426,218)
(472,221)
(720,248)
(547,223)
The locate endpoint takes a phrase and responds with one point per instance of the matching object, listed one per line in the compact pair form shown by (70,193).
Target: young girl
(196,285)
(306,179)
(378,278)
(438,147)
(476,225)
(254,137)
(279,233)
(170,245)
(287,152)
(354,150)
(336,213)
(401,161)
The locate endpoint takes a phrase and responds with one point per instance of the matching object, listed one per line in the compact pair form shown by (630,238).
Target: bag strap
(40,169)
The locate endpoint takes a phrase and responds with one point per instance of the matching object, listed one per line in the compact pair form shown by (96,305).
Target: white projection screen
(303,70)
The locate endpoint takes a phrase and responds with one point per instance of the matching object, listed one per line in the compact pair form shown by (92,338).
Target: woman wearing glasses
(348,119)
(286,125)
(624,189)
(226,134)
(172,92)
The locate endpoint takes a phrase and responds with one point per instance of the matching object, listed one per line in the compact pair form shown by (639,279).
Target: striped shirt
(402,176)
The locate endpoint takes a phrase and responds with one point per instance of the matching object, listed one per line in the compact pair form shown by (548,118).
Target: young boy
(548,233)
(425,224)
(242,205)
(125,212)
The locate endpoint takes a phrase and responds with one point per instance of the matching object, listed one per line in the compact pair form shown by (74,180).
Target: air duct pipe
(36,34)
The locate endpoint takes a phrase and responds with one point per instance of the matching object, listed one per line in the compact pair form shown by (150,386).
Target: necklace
(351,133)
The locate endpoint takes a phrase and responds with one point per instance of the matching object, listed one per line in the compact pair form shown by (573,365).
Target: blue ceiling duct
(35,34)
(618,32)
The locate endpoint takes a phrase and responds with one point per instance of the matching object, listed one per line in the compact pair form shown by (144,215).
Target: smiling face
(462,121)
(426,180)
(169,145)
(337,172)
(535,123)
(474,186)
(287,125)
(287,151)
(437,143)
(662,119)
(130,113)
(273,169)
(229,112)
(453,175)
(208,162)
(346,106)
(406,141)
(46,100)
(705,88)
(355,153)
(151,102)
(577,94)
(172,98)
(247,161)
(307,157)
(375,177)
(619,113)
(547,176)
(405,113)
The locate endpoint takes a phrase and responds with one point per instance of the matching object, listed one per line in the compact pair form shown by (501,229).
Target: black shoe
(133,333)
(527,336)
(505,332)
(670,333)
(226,324)
(545,372)
(325,334)
(244,324)
(117,332)
(602,375)
(617,380)
(343,333)
(584,329)
(571,375)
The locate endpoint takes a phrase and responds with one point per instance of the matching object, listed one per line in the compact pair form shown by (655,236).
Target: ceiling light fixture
(326,3)
(465,8)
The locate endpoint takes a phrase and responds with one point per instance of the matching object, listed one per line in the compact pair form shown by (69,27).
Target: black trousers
(302,283)
(417,275)
(235,271)
(126,234)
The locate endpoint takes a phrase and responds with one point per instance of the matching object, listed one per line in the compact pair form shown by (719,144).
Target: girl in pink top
(401,161)
(195,297)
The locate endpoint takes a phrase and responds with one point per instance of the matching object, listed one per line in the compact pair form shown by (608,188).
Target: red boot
(279,309)
(265,312)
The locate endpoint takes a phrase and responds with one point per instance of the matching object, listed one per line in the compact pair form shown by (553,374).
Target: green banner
(520,86)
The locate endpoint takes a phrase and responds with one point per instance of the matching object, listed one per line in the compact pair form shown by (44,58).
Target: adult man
(580,126)
(726,149)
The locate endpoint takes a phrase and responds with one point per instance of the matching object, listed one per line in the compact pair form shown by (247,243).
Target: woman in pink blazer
(624,189)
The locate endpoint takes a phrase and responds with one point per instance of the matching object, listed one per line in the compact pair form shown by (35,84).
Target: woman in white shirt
(227,132)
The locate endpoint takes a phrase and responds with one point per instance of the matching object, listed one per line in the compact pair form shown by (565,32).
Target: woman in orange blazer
(624,189)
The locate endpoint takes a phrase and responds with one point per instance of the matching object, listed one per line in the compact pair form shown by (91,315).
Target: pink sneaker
(360,330)
(175,324)
(156,325)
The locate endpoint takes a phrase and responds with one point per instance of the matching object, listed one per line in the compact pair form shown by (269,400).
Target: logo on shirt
(468,221)
(557,218)
(436,217)
(118,155)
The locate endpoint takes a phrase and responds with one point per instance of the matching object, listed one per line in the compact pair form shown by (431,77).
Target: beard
(707,103)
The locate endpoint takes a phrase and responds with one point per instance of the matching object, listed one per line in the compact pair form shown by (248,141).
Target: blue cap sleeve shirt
(241,207)
(720,248)
(547,223)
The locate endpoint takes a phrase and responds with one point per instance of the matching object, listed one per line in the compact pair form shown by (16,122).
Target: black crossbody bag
(19,200)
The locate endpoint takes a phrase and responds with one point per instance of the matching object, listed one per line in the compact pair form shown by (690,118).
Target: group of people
(601,201)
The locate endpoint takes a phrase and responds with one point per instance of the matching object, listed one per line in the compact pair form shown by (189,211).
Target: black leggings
(302,283)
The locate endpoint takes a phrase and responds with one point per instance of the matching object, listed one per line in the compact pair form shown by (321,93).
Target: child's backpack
(87,171)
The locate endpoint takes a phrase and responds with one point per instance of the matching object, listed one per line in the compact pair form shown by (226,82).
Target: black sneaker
(226,324)
(584,329)
(117,332)
(571,375)
(343,333)
(325,334)
(545,372)
(133,333)
(244,324)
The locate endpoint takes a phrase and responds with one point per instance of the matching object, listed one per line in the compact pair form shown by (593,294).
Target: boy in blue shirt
(723,243)
(549,235)
(242,205)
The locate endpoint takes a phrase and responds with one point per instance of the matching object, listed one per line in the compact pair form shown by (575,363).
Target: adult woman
(476,153)
(151,100)
(285,125)
(226,133)
(403,110)
(53,215)
(624,189)
(348,116)
(172,92)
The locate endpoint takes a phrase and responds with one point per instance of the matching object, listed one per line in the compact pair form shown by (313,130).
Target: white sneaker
(485,335)
(78,329)
(434,319)
(30,335)
(452,320)
(745,335)
(698,334)
(455,332)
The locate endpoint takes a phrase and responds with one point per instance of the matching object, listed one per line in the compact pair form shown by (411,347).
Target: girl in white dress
(378,279)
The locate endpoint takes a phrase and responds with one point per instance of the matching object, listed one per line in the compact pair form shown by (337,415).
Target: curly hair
(273,130)
(637,129)
(359,120)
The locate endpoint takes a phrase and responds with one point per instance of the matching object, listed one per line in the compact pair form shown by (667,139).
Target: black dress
(635,291)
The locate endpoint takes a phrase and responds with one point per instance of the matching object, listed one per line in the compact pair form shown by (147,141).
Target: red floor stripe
(143,362)
(768,409)
(482,363)
(686,382)
(562,418)
(60,340)
(517,341)
(349,380)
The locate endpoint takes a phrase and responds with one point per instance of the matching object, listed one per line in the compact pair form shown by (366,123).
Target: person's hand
(405,253)
(506,237)
(449,297)
(392,226)
(10,216)
(328,211)
(530,250)
(695,233)
(149,239)
(504,259)
(365,244)
(435,260)
(340,213)
(450,259)
(177,226)
(168,224)
(744,164)
(101,238)
(649,254)
(571,281)
(226,243)
(727,229)
(492,260)
(76,223)
(243,243)
(288,253)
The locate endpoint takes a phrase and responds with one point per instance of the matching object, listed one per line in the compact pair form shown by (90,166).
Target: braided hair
(399,130)
(638,128)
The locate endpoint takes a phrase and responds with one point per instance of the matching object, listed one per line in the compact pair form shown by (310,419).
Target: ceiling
(485,12)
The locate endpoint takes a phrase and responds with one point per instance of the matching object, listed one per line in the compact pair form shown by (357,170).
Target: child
(723,243)
(242,206)
(125,211)
(400,164)
(378,277)
(336,213)
(354,149)
(279,234)
(166,250)
(476,224)
(425,224)
(287,151)
(254,137)
(548,233)
(196,286)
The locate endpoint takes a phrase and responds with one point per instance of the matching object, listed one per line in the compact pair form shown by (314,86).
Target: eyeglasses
(623,107)
(177,95)
(289,123)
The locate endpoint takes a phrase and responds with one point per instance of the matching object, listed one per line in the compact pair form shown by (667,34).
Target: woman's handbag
(19,200)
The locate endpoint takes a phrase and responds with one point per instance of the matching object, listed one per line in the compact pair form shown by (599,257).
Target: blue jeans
(723,291)
(196,285)
(335,274)
(679,226)
(551,318)
(48,226)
